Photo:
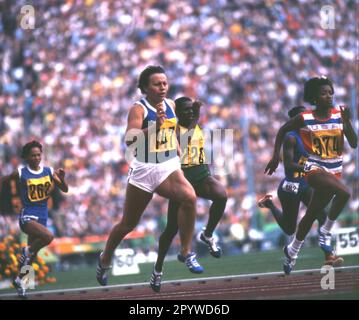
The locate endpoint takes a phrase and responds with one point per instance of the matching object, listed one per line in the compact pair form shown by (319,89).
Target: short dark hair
(312,87)
(180,101)
(27,148)
(295,111)
(145,75)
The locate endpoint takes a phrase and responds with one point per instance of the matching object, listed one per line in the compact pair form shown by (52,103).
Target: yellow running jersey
(192,151)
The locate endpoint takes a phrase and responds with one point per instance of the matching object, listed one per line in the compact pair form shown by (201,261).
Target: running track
(302,284)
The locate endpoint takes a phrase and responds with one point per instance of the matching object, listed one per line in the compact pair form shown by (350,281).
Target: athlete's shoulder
(138,104)
(171,103)
(290,138)
(21,170)
(306,116)
(137,108)
(198,127)
(336,113)
(307,112)
(291,134)
(48,170)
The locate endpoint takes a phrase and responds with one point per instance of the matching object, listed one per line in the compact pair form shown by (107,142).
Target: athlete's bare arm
(348,130)
(135,120)
(293,124)
(134,124)
(59,178)
(196,113)
(289,145)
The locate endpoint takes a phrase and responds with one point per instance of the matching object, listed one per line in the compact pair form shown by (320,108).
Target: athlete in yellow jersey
(322,131)
(197,173)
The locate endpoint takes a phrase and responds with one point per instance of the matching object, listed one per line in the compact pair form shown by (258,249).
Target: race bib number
(327,146)
(163,139)
(291,187)
(39,189)
(347,241)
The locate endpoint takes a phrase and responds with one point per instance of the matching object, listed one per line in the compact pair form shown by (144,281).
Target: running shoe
(191,262)
(214,249)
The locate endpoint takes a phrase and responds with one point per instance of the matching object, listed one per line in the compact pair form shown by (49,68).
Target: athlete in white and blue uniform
(165,146)
(156,168)
(35,190)
(36,184)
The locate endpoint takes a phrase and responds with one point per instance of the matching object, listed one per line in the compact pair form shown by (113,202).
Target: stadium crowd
(70,81)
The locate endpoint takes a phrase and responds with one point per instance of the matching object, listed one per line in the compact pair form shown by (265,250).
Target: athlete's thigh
(135,203)
(30,239)
(176,187)
(35,230)
(290,205)
(210,188)
(319,200)
(325,181)
(306,195)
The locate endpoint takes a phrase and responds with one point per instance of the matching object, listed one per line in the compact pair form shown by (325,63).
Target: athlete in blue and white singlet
(151,136)
(35,190)
(36,185)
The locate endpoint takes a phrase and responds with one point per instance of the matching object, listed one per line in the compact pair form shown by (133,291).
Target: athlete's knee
(344,194)
(289,230)
(168,234)
(48,238)
(222,196)
(189,199)
(126,226)
(309,217)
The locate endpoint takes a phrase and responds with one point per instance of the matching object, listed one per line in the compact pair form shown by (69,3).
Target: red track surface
(302,285)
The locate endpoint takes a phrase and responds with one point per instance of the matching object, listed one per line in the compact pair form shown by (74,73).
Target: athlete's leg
(267,202)
(210,188)
(288,219)
(177,188)
(168,234)
(330,183)
(330,257)
(318,202)
(305,197)
(39,236)
(136,202)
(325,185)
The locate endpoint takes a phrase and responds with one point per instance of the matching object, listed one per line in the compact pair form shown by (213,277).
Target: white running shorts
(148,176)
